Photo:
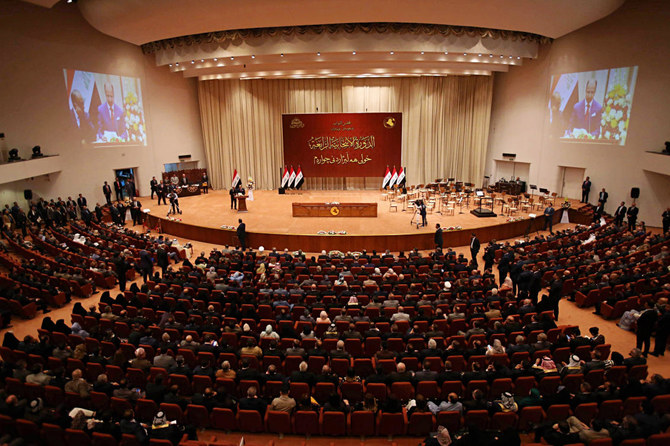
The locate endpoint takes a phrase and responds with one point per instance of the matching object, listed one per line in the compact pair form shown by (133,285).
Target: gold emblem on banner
(296,123)
(334,211)
(389,122)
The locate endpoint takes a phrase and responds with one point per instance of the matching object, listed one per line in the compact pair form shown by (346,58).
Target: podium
(242,203)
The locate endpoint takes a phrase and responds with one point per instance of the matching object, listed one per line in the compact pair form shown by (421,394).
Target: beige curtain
(445,124)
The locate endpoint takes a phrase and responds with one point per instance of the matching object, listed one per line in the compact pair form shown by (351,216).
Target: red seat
(661,404)
(182,382)
(352,391)
(421,424)
(306,423)
(633,442)
(52,435)
(129,440)
(333,423)
(610,410)
(76,437)
(119,405)
(340,366)
(452,386)
(586,412)
(297,390)
(172,412)
(390,424)
(428,389)
(479,418)
(558,412)
(197,416)
(633,405)
(363,367)
(637,372)
(223,419)
(658,440)
(503,420)
(549,385)
(100,439)
(403,390)
(28,431)
(499,386)
(145,410)
(361,423)
(278,422)
(477,384)
(529,417)
(250,421)
(323,390)
(449,419)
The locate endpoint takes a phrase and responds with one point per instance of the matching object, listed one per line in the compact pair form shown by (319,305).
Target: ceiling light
(392,53)
(177,64)
(232,58)
(490,55)
(446,52)
(518,57)
(353,52)
(253,57)
(479,55)
(501,56)
(193,61)
(282,54)
(465,54)
(510,57)
(318,53)
(215,59)
(202,60)
(422,53)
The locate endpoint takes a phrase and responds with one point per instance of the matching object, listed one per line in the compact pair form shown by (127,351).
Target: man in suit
(586,188)
(184,180)
(620,213)
(632,216)
(136,211)
(549,218)
(439,241)
(666,220)
(154,185)
(474,247)
(118,190)
(586,113)
(645,326)
(146,264)
(598,212)
(602,197)
(107,192)
(161,192)
(81,201)
(80,119)
(111,117)
(233,201)
(242,234)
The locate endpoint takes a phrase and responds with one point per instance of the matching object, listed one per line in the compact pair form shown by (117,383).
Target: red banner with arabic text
(342,144)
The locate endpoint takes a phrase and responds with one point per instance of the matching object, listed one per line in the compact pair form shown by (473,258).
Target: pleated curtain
(445,124)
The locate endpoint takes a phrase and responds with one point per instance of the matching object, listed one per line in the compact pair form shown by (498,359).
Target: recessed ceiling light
(422,53)
(232,58)
(318,53)
(282,54)
(479,55)
(446,52)
(253,56)
(193,61)
(170,64)
(465,54)
(392,53)
(177,64)
(490,55)
(501,56)
(518,57)
(353,52)
(510,57)
(202,60)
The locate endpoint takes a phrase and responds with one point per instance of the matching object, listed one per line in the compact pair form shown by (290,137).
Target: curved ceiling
(143,21)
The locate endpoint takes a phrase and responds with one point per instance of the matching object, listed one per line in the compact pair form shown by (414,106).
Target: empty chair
(249,421)
(223,419)
(586,412)
(558,412)
(390,424)
(361,423)
(306,422)
(661,404)
(52,435)
(172,412)
(333,423)
(28,431)
(610,410)
(403,390)
(479,418)
(530,416)
(197,416)
(421,424)
(449,419)
(278,422)
(76,437)
(145,410)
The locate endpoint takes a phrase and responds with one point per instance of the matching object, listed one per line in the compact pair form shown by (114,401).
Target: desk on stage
(188,191)
(335,210)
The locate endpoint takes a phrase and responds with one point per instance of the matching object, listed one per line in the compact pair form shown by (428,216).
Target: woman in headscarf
(323,317)
(10,341)
(48,324)
(270,333)
(496,348)
(62,327)
(77,330)
(533,399)
(79,309)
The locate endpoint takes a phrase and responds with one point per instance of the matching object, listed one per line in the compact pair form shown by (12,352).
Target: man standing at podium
(233,199)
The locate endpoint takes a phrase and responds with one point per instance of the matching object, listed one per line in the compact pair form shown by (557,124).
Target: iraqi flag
(394,178)
(291,178)
(284,178)
(236,179)
(401,176)
(387,178)
(299,179)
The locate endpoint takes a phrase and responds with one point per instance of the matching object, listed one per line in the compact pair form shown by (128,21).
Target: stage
(270,223)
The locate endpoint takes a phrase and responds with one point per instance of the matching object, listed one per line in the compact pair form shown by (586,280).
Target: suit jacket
(84,126)
(602,196)
(620,212)
(586,186)
(105,122)
(474,244)
(81,201)
(439,241)
(632,213)
(590,123)
(107,189)
(242,231)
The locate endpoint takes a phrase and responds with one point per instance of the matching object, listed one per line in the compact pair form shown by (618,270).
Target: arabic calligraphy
(342,159)
(341,142)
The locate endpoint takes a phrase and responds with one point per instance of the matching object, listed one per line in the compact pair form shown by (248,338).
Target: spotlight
(37,152)
(14,155)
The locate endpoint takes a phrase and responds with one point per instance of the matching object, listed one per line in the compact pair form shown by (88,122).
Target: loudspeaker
(635,192)
(184,157)
(509,155)
(28,194)
(281,191)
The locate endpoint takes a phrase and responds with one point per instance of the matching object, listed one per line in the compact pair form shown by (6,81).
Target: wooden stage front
(270,223)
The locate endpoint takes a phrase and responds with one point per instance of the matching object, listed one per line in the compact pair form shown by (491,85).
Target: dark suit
(666,221)
(154,184)
(549,218)
(438,239)
(118,189)
(632,217)
(586,188)
(602,197)
(619,214)
(107,191)
(645,326)
(598,213)
(242,235)
(474,248)
(586,118)
(233,200)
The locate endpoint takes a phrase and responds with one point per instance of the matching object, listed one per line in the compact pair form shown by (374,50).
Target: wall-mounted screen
(105,109)
(592,106)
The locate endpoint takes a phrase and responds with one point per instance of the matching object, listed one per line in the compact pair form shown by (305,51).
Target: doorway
(126,175)
(571,181)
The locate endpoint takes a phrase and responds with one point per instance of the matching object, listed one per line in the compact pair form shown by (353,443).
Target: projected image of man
(111,118)
(586,113)
(80,119)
